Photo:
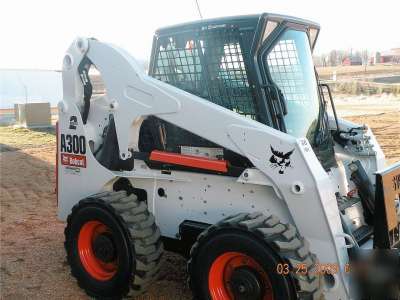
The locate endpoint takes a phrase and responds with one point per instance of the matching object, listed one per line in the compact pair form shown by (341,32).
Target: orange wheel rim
(223,269)
(97,268)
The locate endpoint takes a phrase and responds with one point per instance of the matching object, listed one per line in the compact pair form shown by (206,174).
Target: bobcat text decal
(73,150)
(280,160)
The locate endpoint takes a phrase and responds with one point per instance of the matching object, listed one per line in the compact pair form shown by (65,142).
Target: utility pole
(25,88)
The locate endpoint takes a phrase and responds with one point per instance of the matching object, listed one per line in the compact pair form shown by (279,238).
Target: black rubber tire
(266,240)
(136,236)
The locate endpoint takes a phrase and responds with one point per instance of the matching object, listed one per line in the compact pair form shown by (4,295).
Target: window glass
(291,68)
(313,36)
(271,25)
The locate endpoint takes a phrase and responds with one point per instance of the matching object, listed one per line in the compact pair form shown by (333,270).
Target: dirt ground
(33,263)
(386,127)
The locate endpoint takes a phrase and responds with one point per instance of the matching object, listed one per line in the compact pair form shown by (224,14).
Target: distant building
(352,61)
(391,56)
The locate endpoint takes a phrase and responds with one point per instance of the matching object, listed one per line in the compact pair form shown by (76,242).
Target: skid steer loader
(225,153)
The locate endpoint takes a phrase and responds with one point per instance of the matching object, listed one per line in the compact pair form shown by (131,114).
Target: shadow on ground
(7,148)
(50,130)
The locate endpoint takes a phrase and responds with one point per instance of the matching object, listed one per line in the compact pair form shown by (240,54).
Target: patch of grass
(326,72)
(364,88)
(27,138)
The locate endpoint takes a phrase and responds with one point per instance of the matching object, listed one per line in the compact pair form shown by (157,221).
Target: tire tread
(145,237)
(283,238)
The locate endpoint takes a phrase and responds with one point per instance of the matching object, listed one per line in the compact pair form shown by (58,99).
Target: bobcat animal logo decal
(280,160)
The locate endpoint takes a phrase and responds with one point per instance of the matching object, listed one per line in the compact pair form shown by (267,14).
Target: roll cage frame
(268,98)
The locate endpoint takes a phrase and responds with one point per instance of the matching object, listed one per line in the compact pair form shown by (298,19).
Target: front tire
(113,245)
(237,258)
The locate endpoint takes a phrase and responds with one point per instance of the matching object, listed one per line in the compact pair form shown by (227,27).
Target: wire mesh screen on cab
(285,69)
(210,64)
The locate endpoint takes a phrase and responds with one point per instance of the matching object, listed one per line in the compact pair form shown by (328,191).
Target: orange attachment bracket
(189,161)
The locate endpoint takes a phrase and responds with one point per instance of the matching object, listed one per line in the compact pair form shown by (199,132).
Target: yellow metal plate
(391,191)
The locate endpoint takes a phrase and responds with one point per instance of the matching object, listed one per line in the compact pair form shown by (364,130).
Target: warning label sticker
(73,160)
(72,170)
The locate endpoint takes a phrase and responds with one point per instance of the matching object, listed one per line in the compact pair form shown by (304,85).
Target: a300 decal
(73,150)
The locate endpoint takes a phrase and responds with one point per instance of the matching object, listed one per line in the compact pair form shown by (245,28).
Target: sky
(36,34)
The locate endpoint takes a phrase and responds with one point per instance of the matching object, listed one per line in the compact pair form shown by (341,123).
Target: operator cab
(259,66)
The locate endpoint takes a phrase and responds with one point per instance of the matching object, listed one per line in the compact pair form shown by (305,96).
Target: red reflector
(189,161)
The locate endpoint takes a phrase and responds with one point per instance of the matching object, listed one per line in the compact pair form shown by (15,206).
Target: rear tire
(260,242)
(113,245)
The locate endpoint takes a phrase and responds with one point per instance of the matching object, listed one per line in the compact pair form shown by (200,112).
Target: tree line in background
(342,57)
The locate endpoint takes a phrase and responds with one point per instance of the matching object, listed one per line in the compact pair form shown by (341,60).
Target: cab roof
(241,21)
